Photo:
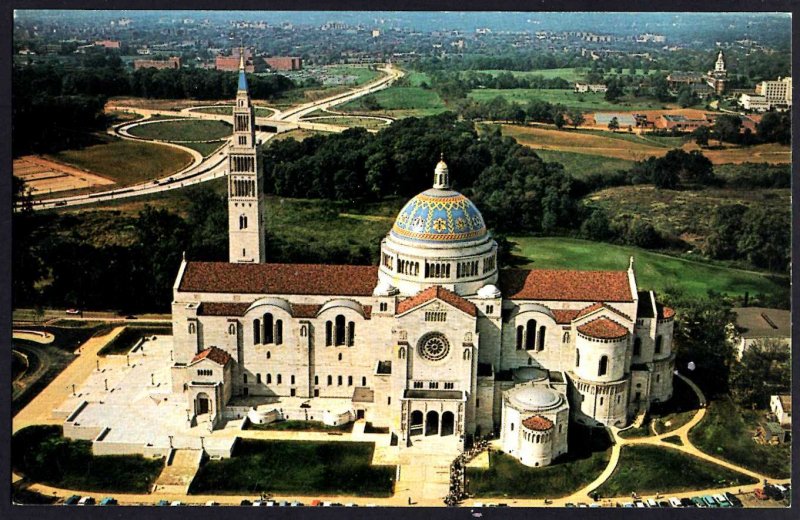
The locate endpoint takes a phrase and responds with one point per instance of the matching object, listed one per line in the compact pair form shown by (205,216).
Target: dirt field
(44,176)
(544,138)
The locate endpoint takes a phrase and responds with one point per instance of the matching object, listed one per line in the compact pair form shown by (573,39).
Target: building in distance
(173,62)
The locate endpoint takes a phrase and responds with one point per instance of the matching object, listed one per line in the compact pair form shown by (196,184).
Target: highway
(216,165)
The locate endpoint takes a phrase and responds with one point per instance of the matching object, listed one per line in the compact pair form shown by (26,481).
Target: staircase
(181,467)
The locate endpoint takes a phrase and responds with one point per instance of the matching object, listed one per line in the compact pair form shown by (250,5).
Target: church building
(435,341)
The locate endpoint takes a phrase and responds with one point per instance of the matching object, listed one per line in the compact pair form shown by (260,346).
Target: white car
(722,499)
(176,503)
(86,501)
(651,503)
(674,502)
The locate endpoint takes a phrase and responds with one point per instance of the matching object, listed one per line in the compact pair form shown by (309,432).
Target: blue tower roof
(437,216)
(242,80)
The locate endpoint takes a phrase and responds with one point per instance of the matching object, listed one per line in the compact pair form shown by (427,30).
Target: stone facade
(435,341)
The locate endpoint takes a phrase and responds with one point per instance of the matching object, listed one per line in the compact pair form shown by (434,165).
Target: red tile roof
(565,316)
(441,293)
(600,305)
(665,313)
(564,285)
(603,328)
(222,308)
(537,423)
(301,310)
(224,277)
(215,354)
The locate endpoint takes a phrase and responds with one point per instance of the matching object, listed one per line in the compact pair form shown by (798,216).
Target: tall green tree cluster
(759,235)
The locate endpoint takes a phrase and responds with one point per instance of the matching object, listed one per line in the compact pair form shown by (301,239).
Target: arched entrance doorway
(448,423)
(432,423)
(416,423)
(202,404)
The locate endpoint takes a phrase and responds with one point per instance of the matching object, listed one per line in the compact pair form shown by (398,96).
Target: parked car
(783,489)
(71,501)
(760,494)
(687,502)
(315,503)
(73,311)
(212,503)
(245,502)
(773,492)
(176,503)
(709,501)
(258,503)
(639,503)
(627,504)
(568,504)
(733,499)
(651,503)
(296,504)
(162,503)
(698,502)
(674,502)
(109,501)
(664,503)
(722,501)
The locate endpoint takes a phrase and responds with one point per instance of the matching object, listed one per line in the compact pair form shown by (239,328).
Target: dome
(439,215)
(534,397)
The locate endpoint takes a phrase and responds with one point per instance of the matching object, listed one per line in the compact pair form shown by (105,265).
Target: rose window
(434,347)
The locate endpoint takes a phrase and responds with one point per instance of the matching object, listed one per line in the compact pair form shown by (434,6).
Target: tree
(687,97)
(559,120)
(614,91)
(763,370)
(726,227)
(765,239)
(597,226)
(613,125)
(726,128)
(775,128)
(701,336)
(576,118)
(701,135)
(642,234)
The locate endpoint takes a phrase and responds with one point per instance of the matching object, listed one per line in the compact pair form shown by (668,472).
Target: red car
(760,494)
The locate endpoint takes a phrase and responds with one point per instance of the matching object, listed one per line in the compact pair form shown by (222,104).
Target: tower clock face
(434,346)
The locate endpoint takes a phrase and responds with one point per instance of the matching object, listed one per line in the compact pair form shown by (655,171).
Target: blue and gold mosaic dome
(439,215)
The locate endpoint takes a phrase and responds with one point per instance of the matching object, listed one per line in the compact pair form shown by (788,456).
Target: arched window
(279,379)
(401,354)
(339,380)
(520,334)
(541,338)
(349,380)
(268,329)
(565,339)
(658,344)
(339,330)
(637,347)
(232,329)
(577,357)
(269,354)
(603,366)
(278,332)
(351,334)
(340,356)
(316,380)
(258,378)
(269,379)
(292,379)
(244,378)
(363,381)
(466,354)
(242,222)
(328,333)
(512,426)
(192,328)
(330,380)
(256,331)
(530,335)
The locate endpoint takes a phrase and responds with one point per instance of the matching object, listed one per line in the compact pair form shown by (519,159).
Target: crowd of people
(458,469)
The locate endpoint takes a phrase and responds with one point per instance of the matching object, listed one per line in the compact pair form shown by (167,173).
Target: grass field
(682,213)
(297,134)
(653,271)
(590,101)
(570,74)
(188,130)
(650,469)
(42,454)
(400,102)
(580,164)
(350,122)
(227,110)
(303,468)
(726,432)
(507,477)
(125,161)
(362,73)
(205,149)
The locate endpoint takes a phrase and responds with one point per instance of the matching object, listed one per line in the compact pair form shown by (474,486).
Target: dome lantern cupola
(441,176)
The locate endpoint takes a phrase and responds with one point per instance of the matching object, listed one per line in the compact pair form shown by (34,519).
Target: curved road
(215,166)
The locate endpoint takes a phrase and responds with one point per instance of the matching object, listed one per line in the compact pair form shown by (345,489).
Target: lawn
(298,134)
(654,271)
(373,124)
(726,432)
(669,415)
(227,110)
(42,454)
(362,73)
(588,101)
(507,477)
(400,102)
(571,74)
(580,165)
(297,467)
(205,149)
(301,426)
(184,130)
(651,469)
(126,162)
(130,335)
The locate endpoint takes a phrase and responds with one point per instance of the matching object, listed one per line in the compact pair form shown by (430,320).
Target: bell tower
(245,181)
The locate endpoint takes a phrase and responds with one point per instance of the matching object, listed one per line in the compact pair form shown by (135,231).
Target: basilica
(435,341)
